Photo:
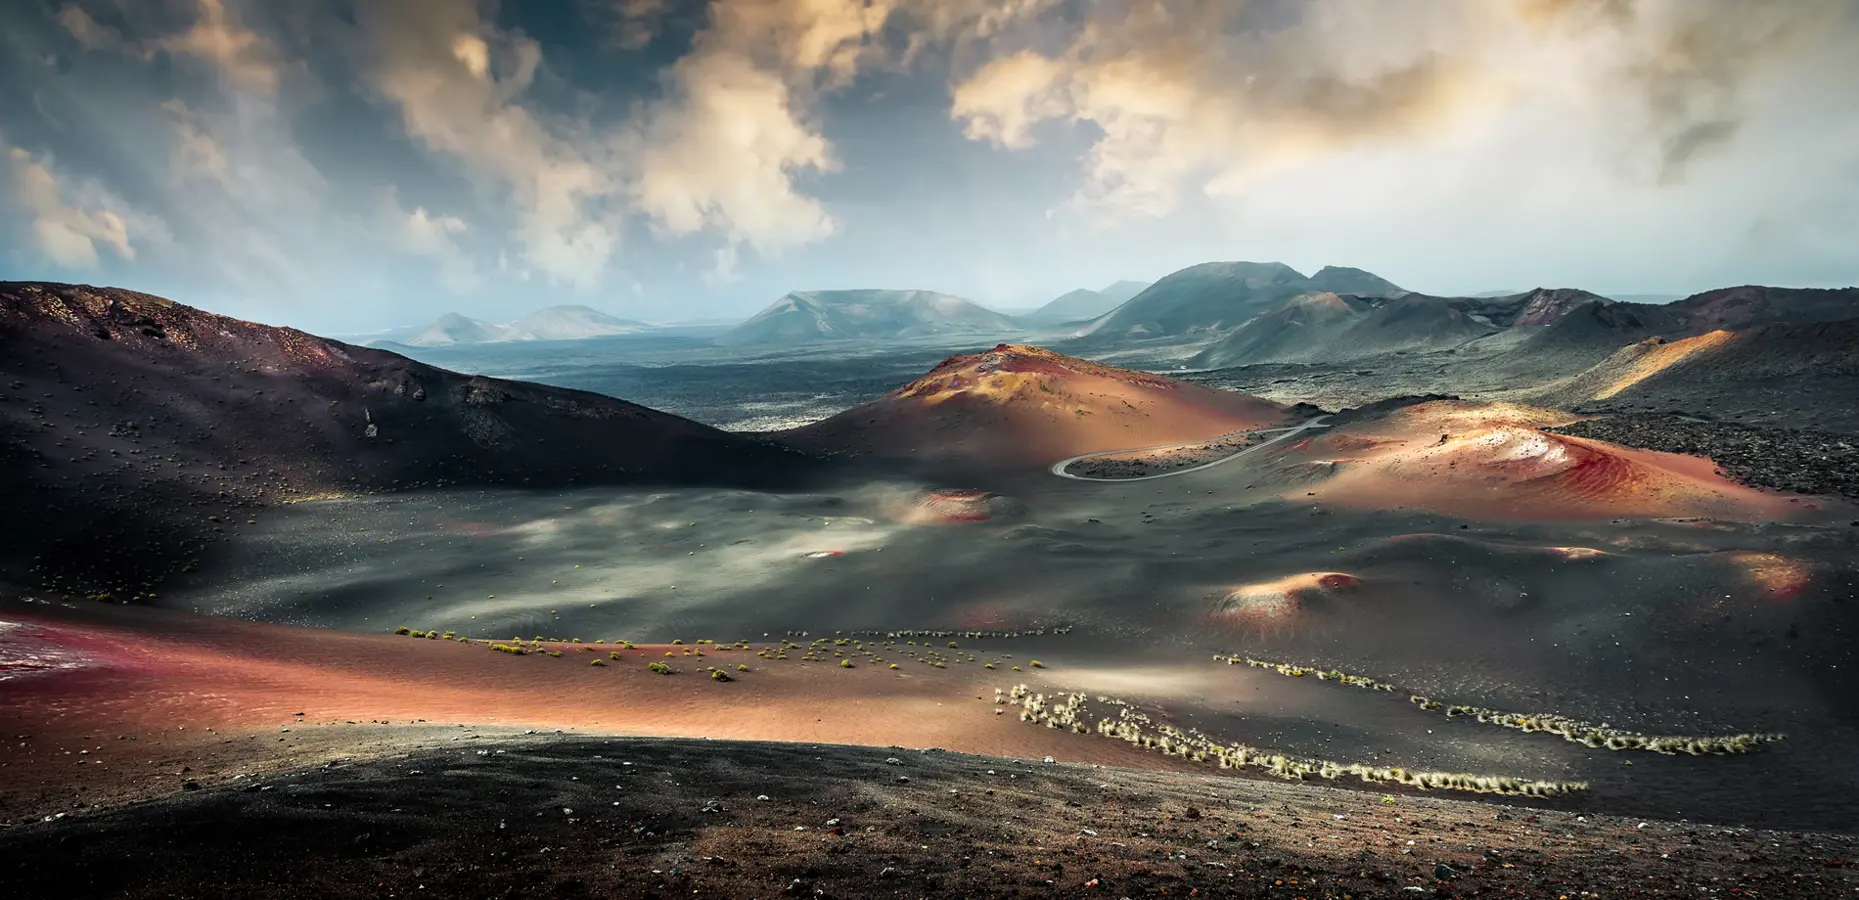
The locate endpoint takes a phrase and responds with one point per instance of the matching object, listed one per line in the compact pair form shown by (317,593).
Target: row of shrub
(1600,736)
(1136,727)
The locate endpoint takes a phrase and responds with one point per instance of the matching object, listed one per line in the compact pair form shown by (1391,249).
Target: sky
(347,166)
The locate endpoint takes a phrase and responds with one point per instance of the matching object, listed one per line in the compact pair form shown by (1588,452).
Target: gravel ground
(1786,459)
(617,817)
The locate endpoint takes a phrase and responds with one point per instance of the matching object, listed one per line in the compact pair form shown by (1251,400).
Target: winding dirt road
(1058,468)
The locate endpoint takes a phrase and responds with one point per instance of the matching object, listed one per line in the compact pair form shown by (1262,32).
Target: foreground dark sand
(598,817)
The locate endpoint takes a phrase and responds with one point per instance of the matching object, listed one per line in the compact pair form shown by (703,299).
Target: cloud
(1215,95)
(458,83)
(67,235)
(244,58)
(91,34)
(424,234)
(637,22)
(1007,97)
(726,147)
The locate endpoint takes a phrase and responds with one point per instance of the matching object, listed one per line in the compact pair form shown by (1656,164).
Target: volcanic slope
(1806,373)
(867,314)
(136,428)
(1496,461)
(1214,297)
(1331,327)
(1017,407)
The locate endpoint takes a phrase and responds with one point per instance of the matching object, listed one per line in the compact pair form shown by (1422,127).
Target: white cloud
(92,34)
(66,234)
(1218,96)
(724,151)
(424,234)
(244,58)
(1002,101)
(459,84)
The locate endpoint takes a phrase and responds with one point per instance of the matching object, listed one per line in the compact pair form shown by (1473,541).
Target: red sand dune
(1016,407)
(1493,461)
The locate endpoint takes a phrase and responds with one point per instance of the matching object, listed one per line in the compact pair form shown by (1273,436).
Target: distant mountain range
(554,323)
(1084,304)
(806,316)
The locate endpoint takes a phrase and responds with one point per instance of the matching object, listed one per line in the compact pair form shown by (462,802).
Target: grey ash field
(1479,557)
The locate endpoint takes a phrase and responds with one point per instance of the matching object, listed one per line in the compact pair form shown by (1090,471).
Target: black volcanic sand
(1682,627)
(662,818)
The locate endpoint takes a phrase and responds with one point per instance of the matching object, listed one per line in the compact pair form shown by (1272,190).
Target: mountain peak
(872,314)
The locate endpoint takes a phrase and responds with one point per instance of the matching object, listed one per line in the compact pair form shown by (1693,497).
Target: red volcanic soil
(966,505)
(115,700)
(134,429)
(1017,407)
(1494,461)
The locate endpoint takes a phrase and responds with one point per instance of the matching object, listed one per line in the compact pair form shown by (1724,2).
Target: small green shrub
(403,630)
(596,662)
(720,675)
(845,664)
(660,668)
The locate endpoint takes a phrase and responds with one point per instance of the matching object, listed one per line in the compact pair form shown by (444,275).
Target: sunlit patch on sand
(825,554)
(1145,681)
(1453,542)
(27,651)
(950,506)
(1453,416)
(1492,461)
(1280,604)
(957,505)
(1780,577)
(1657,358)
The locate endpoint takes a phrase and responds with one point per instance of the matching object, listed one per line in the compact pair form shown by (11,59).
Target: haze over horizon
(345,167)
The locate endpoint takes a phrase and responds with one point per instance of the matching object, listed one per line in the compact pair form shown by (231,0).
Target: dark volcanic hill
(133,429)
(1329,327)
(1806,372)
(1348,280)
(1543,333)
(1214,297)
(866,314)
